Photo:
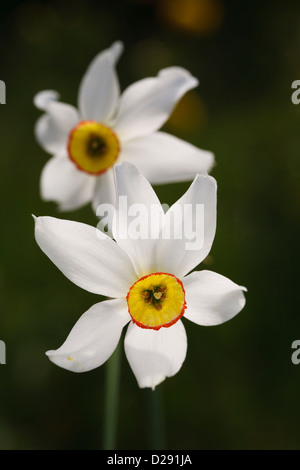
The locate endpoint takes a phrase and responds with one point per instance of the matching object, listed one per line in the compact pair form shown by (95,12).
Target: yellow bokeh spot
(93,147)
(156,300)
(194,16)
(189,115)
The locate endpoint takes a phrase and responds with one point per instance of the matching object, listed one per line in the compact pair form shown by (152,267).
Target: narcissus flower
(147,280)
(107,128)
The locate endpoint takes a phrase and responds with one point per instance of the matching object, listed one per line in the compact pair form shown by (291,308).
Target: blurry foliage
(237,388)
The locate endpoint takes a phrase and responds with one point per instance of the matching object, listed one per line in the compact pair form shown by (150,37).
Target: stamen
(146,294)
(162,289)
(96,146)
(154,294)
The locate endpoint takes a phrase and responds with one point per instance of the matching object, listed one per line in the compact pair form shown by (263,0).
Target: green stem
(111,400)
(156,419)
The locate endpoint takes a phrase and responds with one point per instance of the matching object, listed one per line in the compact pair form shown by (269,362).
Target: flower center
(156,300)
(93,147)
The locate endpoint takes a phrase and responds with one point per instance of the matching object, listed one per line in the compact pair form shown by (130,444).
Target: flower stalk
(112,400)
(156,419)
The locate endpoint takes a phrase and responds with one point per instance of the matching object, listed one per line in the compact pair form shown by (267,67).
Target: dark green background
(238,388)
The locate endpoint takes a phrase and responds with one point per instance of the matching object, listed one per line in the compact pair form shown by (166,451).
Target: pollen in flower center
(93,147)
(155,296)
(156,300)
(96,146)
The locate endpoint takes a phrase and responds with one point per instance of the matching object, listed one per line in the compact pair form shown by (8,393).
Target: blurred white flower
(147,280)
(85,143)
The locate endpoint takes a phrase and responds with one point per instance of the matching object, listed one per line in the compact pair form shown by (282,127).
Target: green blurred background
(238,388)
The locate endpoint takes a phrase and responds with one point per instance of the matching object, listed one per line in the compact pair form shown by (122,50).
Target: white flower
(108,128)
(148,280)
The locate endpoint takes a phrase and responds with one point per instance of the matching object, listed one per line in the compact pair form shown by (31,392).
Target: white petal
(155,354)
(163,158)
(138,212)
(147,104)
(43,98)
(104,192)
(212,299)
(93,338)
(86,256)
(99,89)
(52,128)
(189,228)
(63,183)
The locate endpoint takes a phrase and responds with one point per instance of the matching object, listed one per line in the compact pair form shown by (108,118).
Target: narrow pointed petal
(86,256)
(99,89)
(212,299)
(43,98)
(64,184)
(163,158)
(189,228)
(52,128)
(139,216)
(154,355)
(147,104)
(93,338)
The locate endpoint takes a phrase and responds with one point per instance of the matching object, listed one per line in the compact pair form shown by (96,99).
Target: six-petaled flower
(107,128)
(149,282)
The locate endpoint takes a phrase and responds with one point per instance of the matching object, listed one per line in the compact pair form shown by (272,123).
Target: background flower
(109,128)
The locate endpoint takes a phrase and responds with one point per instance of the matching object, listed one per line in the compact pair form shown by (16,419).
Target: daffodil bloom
(107,128)
(147,281)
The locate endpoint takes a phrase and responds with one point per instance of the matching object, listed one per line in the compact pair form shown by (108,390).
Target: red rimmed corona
(150,284)
(93,147)
(107,127)
(156,300)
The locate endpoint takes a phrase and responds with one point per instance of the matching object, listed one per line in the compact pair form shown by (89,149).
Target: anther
(145,294)
(162,289)
(154,295)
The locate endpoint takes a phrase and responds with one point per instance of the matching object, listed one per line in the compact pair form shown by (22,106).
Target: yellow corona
(93,147)
(156,300)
